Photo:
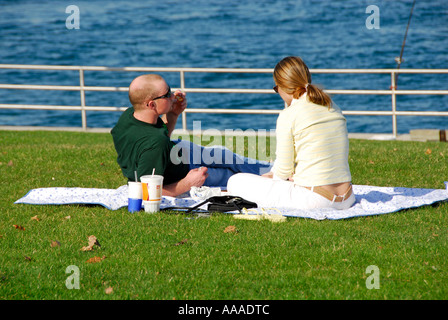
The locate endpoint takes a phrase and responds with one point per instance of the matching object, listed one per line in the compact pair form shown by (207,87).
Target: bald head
(145,87)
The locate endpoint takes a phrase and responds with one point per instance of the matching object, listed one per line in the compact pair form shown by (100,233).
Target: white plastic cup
(134,196)
(152,192)
(151,206)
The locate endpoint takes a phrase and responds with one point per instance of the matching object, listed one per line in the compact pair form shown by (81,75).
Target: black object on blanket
(219,204)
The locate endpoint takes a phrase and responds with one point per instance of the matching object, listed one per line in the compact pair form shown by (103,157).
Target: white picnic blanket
(370,200)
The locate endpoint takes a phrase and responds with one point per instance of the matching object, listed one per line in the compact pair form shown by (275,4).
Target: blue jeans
(220,161)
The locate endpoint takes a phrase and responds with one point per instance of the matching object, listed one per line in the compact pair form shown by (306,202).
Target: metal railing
(82,88)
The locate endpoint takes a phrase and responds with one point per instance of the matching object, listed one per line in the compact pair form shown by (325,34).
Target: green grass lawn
(166,256)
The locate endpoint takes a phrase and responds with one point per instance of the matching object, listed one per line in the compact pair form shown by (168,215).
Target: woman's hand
(268,175)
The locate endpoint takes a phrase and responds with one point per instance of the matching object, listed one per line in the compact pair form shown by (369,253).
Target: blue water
(228,34)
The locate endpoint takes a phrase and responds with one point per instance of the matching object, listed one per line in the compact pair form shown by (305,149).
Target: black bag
(219,204)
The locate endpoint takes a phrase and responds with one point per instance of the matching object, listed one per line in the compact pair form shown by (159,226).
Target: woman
(311,168)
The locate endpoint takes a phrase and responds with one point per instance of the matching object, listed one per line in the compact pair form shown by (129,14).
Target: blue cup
(134,205)
(134,196)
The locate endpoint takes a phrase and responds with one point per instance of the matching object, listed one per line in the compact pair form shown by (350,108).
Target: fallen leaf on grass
(230,229)
(35,218)
(96,259)
(428,151)
(109,290)
(182,242)
(92,242)
(55,244)
(27,258)
(18,227)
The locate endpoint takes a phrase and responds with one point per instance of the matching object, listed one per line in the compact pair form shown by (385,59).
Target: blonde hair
(293,76)
(142,88)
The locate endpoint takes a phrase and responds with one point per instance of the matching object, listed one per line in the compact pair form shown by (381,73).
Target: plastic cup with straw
(152,191)
(135,196)
(145,185)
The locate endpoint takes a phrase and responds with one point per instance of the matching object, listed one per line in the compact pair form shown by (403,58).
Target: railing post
(182,87)
(394,105)
(83,99)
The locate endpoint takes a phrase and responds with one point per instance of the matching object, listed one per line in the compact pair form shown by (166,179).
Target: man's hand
(196,177)
(180,103)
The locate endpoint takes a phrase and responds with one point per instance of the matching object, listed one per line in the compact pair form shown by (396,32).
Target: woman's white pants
(267,192)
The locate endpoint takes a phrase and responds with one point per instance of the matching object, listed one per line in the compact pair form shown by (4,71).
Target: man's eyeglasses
(168,94)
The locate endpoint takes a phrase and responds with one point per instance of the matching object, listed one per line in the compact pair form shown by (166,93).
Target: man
(142,141)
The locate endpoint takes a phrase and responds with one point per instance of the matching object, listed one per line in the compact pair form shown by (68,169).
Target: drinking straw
(153,169)
(136,179)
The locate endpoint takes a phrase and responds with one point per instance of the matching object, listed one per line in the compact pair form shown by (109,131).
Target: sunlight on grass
(165,256)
